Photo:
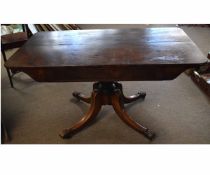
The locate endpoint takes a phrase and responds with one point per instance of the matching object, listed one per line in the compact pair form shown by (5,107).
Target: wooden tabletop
(107,55)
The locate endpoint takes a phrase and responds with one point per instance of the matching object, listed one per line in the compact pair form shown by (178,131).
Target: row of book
(34,28)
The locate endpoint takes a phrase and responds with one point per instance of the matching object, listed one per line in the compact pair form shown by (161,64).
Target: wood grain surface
(107,55)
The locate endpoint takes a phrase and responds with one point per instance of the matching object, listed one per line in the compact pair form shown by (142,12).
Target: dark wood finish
(202,77)
(132,98)
(82,97)
(107,55)
(11,41)
(88,117)
(202,80)
(14,40)
(7,69)
(118,106)
(107,93)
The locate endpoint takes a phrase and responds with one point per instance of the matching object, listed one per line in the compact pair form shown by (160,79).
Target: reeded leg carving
(81,97)
(117,103)
(89,116)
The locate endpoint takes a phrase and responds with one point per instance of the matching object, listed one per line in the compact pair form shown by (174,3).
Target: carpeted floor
(178,111)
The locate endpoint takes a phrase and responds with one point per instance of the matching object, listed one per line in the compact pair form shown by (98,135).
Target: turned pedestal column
(107,93)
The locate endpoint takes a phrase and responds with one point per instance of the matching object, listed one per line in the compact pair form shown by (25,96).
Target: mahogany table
(105,57)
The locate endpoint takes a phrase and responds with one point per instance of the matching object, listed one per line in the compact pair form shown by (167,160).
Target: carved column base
(107,93)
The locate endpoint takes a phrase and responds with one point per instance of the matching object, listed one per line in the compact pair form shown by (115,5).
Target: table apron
(89,74)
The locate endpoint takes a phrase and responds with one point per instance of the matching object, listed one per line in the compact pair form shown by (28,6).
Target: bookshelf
(34,28)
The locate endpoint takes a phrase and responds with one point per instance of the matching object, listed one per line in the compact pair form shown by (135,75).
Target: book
(52,27)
